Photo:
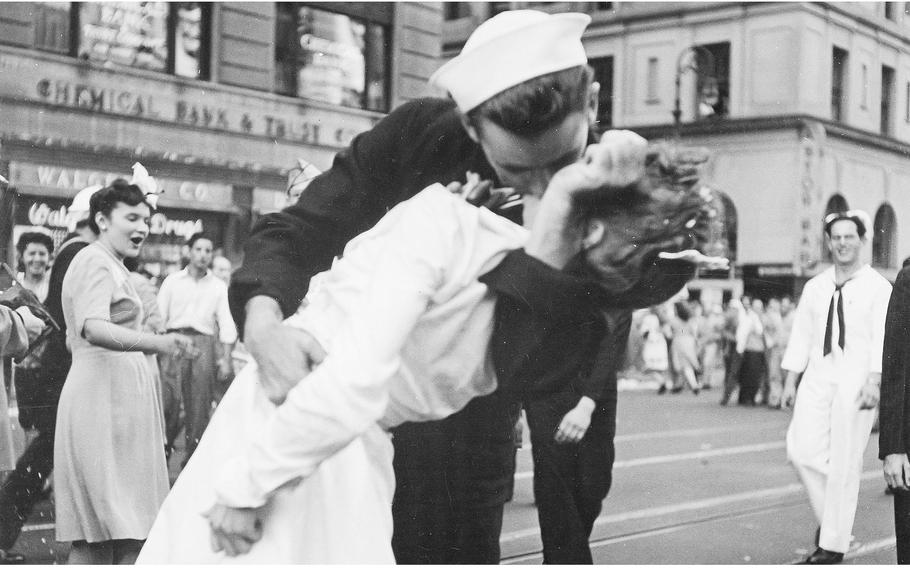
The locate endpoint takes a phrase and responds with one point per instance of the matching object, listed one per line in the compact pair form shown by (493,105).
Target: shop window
(836,204)
(336,53)
(884,237)
(170,37)
(603,74)
(887,102)
(839,59)
(713,83)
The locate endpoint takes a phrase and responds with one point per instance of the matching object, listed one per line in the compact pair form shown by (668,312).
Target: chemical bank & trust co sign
(172,101)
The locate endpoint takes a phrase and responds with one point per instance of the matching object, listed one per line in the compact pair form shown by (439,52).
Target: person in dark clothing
(24,487)
(513,129)
(444,512)
(572,434)
(894,421)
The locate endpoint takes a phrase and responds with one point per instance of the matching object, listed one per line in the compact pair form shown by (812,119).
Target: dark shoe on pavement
(822,556)
(662,389)
(7,557)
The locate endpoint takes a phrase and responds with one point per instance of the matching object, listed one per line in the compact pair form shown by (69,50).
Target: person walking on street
(836,343)
(194,302)
(750,346)
(732,358)
(775,339)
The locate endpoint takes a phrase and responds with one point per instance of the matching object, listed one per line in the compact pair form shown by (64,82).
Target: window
(890,12)
(884,237)
(713,83)
(837,204)
(603,74)
(839,59)
(456,10)
(339,57)
(864,100)
(170,37)
(158,36)
(52,26)
(887,99)
(652,81)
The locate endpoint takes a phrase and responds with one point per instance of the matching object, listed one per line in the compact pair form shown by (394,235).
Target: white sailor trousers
(825,443)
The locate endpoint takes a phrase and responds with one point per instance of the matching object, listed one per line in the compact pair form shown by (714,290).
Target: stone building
(805,106)
(217,100)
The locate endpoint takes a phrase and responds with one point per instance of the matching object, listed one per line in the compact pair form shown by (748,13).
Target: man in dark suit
(894,421)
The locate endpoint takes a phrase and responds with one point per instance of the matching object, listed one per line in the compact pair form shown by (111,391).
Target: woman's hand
(234,530)
(179,346)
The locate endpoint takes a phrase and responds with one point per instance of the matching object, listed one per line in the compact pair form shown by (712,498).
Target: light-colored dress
(406,325)
(654,350)
(110,474)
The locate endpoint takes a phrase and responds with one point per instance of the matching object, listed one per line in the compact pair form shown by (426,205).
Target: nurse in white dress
(403,304)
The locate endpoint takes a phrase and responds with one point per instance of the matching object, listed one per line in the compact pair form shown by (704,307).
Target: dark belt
(184,331)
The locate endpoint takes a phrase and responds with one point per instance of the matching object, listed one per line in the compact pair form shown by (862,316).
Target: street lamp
(683,65)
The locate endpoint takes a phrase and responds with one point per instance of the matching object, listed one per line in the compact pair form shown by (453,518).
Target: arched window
(837,204)
(884,237)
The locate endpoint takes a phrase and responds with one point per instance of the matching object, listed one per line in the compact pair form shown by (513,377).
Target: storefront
(42,194)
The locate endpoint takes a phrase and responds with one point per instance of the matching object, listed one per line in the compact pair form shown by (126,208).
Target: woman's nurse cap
(511,48)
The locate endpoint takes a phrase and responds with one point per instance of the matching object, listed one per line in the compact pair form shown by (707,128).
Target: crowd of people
(684,343)
(395,318)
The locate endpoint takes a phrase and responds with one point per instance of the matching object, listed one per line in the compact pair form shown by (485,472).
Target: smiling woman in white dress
(403,304)
(110,476)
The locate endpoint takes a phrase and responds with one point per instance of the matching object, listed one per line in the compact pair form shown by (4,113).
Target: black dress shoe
(7,557)
(822,556)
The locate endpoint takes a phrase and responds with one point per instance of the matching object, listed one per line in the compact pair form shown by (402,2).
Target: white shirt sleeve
(349,391)
(227,329)
(164,303)
(796,356)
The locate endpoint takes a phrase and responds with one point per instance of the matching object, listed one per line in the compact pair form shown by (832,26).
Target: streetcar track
(660,530)
(779,492)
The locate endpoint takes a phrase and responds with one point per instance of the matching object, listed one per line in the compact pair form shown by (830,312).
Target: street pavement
(698,483)
(693,483)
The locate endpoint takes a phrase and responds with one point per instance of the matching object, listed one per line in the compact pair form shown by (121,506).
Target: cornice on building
(728,126)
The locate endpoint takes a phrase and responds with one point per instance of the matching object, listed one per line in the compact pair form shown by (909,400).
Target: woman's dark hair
(683,311)
(532,107)
(26,239)
(104,200)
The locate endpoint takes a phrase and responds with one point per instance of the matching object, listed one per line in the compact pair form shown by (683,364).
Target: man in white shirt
(194,301)
(836,342)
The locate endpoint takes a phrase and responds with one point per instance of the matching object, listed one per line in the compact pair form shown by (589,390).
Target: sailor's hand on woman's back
(284,354)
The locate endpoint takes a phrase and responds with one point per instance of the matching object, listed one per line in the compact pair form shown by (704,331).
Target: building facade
(805,107)
(217,100)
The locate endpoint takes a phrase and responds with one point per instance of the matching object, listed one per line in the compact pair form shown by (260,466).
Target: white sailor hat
(81,200)
(511,48)
(79,208)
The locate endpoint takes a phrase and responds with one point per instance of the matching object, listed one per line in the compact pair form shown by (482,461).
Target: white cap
(509,49)
(79,208)
(80,202)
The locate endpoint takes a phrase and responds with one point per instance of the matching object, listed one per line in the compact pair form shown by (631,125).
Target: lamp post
(682,65)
